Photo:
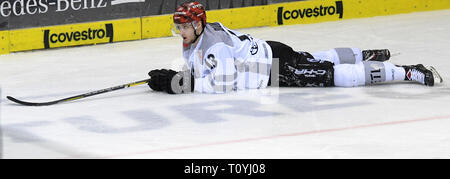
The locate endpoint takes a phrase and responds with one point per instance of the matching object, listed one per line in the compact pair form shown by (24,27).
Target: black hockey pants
(300,69)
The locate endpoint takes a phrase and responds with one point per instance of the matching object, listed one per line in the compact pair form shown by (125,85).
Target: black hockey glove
(160,80)
(169,81)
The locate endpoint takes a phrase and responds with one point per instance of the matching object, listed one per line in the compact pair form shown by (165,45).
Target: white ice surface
(384,121)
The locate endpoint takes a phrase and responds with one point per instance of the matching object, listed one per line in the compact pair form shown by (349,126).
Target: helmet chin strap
(195,31)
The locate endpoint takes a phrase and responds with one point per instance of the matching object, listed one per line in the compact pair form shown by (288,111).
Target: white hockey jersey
(225,60)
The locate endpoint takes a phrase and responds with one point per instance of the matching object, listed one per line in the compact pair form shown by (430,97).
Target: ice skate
(420,74)
(376,55)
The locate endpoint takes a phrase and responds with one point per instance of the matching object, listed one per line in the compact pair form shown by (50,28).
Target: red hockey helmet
(189,12)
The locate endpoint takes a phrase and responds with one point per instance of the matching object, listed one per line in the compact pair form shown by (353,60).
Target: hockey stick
(81,96)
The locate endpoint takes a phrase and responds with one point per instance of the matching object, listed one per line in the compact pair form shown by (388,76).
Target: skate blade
(395,54)
(436,75)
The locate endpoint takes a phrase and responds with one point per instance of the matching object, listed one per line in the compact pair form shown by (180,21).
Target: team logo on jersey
(254,49)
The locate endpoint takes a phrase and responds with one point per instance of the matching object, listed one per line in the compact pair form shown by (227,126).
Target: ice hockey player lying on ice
(220,60)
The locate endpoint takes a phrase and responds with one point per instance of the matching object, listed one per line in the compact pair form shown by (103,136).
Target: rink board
(75,34)
(157,26)
(4,42)
(302,12)
(317,11)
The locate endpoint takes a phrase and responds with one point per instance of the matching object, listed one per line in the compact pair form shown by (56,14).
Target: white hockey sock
(340,55)
(377,72)
(367,73)
(394,73)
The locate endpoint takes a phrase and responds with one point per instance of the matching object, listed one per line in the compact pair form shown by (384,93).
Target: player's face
(187,32)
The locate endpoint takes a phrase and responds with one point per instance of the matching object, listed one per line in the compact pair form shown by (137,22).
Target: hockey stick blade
(31,103)
(85,95)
